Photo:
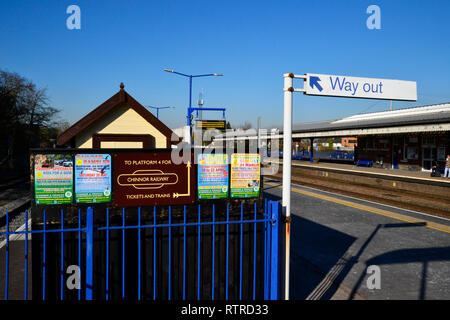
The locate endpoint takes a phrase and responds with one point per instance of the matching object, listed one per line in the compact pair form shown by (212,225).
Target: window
(370,143)
(412,153)
(441,153)
(383,144)
(413,140)
(428,140)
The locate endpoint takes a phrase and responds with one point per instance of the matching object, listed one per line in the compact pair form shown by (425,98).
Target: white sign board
(353,87)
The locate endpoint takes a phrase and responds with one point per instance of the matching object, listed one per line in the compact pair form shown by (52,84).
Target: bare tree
(25,112)
(247,125)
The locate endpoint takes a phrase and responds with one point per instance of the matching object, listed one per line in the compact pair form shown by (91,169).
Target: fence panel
(219,251)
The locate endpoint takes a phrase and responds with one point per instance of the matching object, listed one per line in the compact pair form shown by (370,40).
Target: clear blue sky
(251,42)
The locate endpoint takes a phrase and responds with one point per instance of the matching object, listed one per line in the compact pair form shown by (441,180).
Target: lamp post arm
(181,74)
(204,75)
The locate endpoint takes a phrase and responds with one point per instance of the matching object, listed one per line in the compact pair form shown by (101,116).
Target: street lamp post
(157,109)
(189,111)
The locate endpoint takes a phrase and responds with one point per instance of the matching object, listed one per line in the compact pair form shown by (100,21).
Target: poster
(212,176)
(152,178)
(245,175)
(92,178)
(53,178)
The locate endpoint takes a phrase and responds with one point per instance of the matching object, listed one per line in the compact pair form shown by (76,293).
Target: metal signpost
(331,86)
(206,124)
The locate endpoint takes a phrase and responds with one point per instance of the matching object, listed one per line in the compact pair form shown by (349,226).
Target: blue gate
(171,273)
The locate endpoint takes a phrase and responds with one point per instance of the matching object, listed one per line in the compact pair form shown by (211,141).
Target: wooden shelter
(119,122)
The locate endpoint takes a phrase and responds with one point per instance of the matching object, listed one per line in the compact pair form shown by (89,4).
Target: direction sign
(146,179)
(354,87)
(334,86)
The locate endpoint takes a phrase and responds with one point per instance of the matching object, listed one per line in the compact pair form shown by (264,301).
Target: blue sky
(251,42)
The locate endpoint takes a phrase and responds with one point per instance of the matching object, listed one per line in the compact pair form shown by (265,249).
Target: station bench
(366,163)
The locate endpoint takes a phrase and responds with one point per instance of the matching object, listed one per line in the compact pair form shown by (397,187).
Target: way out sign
(354,87)
(333,86)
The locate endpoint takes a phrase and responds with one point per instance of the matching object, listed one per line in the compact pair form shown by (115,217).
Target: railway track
(15,199)
(16,220)
(13,182)
(399,198)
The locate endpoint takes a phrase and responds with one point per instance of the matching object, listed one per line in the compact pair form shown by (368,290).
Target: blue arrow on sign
(314,81)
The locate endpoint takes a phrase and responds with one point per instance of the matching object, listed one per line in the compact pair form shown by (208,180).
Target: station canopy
(430,118)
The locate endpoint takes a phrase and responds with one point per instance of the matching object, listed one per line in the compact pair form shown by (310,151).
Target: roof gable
(119,99)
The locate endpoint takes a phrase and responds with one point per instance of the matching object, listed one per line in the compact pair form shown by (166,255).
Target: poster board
(53,178)
(212,176)
(92,178)
(245,175)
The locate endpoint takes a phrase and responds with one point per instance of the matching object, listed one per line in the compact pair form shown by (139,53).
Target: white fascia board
(372,131)
(352,132)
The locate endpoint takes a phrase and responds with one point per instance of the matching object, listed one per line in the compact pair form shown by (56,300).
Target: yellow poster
(245,175)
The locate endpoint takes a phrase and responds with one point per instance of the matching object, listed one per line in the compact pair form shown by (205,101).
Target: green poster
(53,178)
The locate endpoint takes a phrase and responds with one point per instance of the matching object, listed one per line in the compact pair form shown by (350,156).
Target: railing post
(274,254)
(7,257)
(89,253)
(266,250)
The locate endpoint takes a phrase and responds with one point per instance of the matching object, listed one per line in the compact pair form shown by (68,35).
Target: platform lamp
(157,109)
(189,111)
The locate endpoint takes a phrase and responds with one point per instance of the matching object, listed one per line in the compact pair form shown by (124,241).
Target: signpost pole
(287,159)
(336,86)
(89,253)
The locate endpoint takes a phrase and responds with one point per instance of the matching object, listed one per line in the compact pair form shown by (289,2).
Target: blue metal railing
(269,223)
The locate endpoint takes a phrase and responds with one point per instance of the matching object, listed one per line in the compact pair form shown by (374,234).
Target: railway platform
(414,190)
(417,176)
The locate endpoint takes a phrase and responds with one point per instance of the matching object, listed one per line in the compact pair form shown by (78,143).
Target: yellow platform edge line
(389,214)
